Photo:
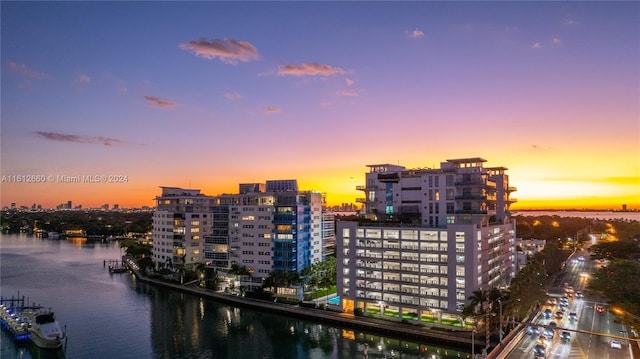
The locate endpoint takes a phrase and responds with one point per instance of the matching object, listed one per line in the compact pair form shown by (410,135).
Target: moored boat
(44,328)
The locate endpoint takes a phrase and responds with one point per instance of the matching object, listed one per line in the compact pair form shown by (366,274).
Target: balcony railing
(470,211)
(361,188)
(473,182)
(470,196)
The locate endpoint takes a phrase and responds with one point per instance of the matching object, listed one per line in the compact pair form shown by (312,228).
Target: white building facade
(266,227)
(433,236)
(181,220)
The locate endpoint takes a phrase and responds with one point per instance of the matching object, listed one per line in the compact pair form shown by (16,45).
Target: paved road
(590,333)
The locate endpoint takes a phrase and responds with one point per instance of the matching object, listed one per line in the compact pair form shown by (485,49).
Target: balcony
(512,189)
(361,200)
(511,200)
(470,196)
(470,211)
(472,182)
(361,188)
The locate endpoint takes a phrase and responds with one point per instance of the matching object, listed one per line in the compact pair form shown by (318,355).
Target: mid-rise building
(328,234)
(182,219)
(431,237)
(266,227)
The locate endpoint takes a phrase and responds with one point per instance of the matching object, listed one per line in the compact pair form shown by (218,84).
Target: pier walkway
(397,329)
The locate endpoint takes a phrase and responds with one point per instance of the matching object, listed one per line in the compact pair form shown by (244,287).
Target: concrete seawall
(395,329)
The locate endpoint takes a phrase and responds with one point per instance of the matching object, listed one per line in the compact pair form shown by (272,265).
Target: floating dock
(11,321)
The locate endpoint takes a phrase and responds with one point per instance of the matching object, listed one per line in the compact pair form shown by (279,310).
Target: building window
(450,194)
(449,180)
(450,208)
(374,233)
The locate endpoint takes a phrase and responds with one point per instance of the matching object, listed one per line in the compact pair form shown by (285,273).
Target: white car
(615,344)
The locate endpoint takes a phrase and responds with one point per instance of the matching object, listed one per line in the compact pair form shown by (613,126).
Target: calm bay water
(115,316)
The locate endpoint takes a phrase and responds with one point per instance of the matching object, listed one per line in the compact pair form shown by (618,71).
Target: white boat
(44,328)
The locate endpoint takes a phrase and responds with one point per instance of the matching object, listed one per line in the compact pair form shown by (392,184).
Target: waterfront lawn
(429,319)
(321,292)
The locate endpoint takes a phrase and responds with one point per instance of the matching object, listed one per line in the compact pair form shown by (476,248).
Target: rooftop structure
(432,237)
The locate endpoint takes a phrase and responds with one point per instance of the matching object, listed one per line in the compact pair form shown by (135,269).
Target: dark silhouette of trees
(619,282)
(102,223)
(623,249)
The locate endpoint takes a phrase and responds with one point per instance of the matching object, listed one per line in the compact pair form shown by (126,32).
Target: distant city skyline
(104,102)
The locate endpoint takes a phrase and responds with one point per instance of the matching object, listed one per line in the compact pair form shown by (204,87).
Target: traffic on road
(572,323)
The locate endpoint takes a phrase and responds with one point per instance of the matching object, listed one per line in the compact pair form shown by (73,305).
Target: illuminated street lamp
(622,312)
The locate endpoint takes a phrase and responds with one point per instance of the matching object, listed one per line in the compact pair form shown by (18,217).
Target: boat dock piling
(116,266)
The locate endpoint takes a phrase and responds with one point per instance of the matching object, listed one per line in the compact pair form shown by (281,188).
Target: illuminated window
(195,223)
(248,218)
(195,230)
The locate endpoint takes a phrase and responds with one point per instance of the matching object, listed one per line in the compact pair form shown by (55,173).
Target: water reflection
(117,316)
(184,325)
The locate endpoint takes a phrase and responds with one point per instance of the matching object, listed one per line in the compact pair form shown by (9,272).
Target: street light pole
(473,342)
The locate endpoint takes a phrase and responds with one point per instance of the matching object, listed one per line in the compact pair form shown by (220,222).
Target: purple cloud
(159,103)
(309,69)
(66,137)
(227,50)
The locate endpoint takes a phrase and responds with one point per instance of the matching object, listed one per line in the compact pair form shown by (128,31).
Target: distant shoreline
(601,215)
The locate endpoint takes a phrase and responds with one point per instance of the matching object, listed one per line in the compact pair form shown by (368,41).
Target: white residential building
(525,248)
(266,227)
(432,237)
(183,217)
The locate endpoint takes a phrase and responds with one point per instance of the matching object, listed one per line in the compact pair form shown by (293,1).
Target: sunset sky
(211,94)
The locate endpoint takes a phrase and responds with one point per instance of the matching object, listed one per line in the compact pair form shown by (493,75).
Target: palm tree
(478,298)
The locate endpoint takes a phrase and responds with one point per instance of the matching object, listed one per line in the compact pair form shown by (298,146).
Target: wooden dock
(116,266)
